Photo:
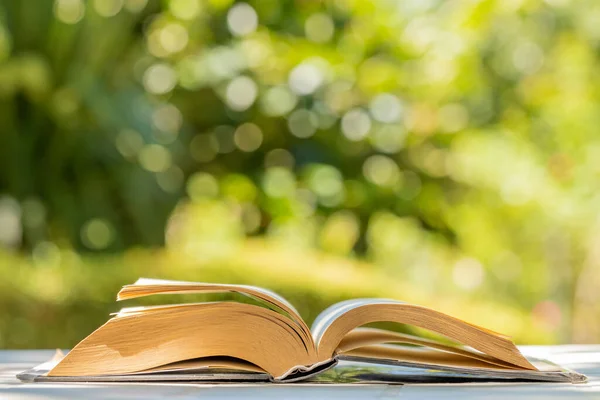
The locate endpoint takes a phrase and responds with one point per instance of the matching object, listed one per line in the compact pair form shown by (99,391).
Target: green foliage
(452,145)
(56,301)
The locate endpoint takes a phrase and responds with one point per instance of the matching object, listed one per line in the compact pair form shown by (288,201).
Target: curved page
(141,341)
(147,287)
(363,337)
(334,323)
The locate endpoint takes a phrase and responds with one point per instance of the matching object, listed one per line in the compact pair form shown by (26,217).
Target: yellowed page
(147,287)
(363,337)
(420,356)
(337,321)
(207,363)
(143,340)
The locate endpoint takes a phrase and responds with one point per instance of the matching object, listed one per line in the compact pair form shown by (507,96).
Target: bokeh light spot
(248,137)
(325,181)
(202,185)
(386,107)
(66,102)
(129,143)
(279,182)
(305,79)
(185,9)
(135,6)
(279,158)
(108,8)
(256,52)
(173,37)
(167,118)
(241,93)
(170,180)
(242,19)
(388,138)
(528,57)
(155,158)
(159,79)
(319,28)
(356,124)
(303,123)
(69,11)
(97,234)
(10,222)
(382,171)
(278,101)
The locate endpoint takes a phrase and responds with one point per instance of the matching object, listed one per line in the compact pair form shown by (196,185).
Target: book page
(333,324)
(331,313)
(419,355)
(139,341)
(213,363)
(361,338)
(147,287)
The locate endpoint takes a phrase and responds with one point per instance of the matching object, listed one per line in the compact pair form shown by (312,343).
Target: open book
(230,340)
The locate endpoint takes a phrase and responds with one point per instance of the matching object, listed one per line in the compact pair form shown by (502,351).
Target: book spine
(301,372)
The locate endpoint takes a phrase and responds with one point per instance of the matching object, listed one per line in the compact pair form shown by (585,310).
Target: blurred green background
(441,152)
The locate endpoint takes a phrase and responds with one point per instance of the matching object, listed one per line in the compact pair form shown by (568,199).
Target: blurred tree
(451,143)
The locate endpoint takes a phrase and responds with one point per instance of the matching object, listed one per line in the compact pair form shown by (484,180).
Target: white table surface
(582,358)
